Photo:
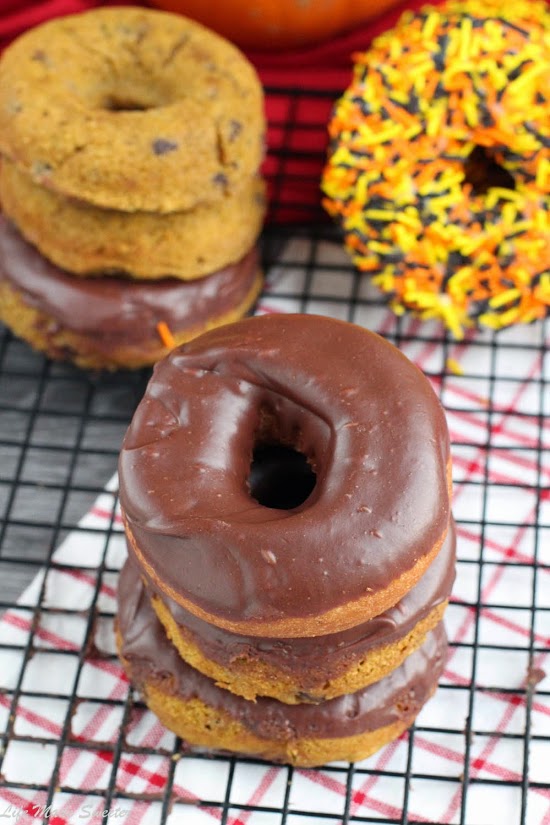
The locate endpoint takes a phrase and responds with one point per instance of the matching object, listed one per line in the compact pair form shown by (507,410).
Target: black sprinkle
(478,308)
(417,265)
(535,281)
(443,43)
(414,103)
(455,261)
(439,61)
(511,25)
(514,157)
(486,118)
(519,69)
(511,235)
(363,105)
(220,179)
(40,56)
(480,91)
(161,146)
(533,130)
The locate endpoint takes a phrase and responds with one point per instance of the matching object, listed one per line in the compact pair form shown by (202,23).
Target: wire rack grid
(76,743)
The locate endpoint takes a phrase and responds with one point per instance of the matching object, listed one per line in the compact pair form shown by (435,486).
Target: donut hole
(281,477)
(482,172)
(112,103)
(132,93)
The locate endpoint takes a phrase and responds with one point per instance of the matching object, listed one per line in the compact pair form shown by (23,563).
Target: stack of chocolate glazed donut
(131,141)
(285,489)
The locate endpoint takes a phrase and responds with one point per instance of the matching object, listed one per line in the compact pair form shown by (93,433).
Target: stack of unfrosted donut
(285,487)
(131,141)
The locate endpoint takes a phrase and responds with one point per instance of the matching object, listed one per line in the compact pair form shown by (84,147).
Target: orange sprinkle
(399,114)
(429,171)
(165,335)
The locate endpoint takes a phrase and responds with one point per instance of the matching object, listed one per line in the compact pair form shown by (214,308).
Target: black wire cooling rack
(71,749)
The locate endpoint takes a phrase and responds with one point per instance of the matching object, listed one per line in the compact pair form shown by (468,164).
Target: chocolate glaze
(150,657)
(312,661)
(113,310)
(366,418)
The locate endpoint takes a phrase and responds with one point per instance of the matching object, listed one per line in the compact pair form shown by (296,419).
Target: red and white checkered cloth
(497,413)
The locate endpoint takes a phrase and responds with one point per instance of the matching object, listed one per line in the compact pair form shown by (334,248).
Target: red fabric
(301,87)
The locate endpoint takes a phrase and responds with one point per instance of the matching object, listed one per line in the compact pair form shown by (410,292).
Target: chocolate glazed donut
(348,728)
(373,432)
(291,670)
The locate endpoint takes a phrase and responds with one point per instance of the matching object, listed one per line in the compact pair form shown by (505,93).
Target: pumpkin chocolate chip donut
(114,323)
(87,240)
(439,165)
(371,515)
(350,727)
(131,109)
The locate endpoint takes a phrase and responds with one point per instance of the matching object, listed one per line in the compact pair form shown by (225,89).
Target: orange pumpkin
(279,24)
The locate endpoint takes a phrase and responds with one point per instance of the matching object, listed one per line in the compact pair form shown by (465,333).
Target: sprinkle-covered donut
(131,109)
(439,166)
(374,437)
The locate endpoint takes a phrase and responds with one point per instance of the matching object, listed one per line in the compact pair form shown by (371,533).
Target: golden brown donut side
(203,726)
(86,240)
(251,679)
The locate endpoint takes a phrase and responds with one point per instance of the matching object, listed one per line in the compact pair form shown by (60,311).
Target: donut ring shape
(368,422)
(439,165)
(131,109)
